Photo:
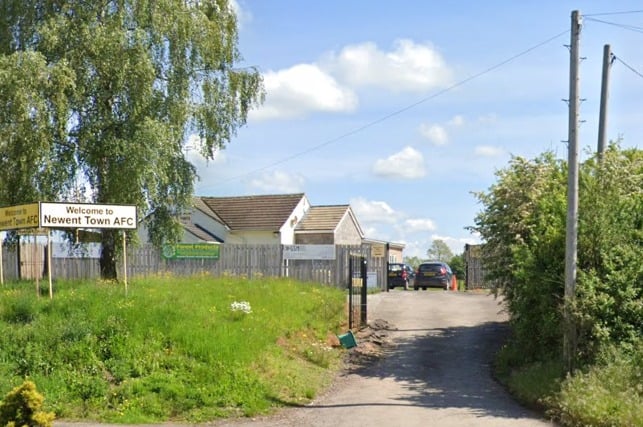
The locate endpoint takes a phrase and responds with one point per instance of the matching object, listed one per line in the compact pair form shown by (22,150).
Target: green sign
(191,250)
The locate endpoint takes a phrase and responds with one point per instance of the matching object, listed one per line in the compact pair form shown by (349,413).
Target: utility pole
(569,339)
(602,120)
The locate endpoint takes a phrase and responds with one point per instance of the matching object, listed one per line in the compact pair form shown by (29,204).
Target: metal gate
(357,291)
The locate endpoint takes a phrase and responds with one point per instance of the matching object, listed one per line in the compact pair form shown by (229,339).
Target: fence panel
(250,261)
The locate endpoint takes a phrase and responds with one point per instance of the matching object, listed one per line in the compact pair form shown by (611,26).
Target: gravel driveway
(434,372)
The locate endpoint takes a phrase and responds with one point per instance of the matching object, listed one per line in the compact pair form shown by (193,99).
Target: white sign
(371,279)
(84,250)
(309,251)
(83,215)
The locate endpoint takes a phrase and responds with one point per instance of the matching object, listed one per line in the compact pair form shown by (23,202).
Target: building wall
(395,255)
(314,239)
(287,231)
(253,237)
(347,232)
(210,224)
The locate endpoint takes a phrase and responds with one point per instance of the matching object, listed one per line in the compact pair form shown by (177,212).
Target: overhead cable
(628,66)
(400,111)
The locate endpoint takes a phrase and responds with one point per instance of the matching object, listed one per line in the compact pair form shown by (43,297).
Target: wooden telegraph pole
(602,120)
(569,339)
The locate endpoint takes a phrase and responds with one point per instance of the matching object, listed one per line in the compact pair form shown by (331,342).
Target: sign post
(49,266)
(125,262)
(14,218)
(67,215)
(84,215)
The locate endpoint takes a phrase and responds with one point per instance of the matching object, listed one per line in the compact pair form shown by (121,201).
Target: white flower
(243,306)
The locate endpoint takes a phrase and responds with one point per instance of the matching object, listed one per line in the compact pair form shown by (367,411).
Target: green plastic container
(347,340)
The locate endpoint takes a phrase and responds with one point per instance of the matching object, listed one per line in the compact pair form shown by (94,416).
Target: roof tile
(322,218)
(263,212)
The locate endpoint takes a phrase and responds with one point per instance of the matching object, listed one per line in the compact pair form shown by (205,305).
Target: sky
(404,110)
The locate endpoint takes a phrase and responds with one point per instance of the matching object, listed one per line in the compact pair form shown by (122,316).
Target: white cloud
(370,230)
(419,225)
(488,151)
(407,164)
(301,89)
(409,67)
(372,211)
(243,15)
(436,134)
(456,121)
(278,182)
(415,248)
(327,86)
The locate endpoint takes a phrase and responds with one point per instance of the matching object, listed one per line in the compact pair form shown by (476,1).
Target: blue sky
(403,109)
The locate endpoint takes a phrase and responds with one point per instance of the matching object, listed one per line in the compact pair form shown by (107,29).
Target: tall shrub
(610,283)
(522,225)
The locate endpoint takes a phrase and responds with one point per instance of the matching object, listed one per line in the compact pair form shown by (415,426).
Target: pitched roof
(198,203)
(263,212)
(323,218)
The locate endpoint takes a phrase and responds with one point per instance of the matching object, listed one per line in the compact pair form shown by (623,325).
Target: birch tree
(108,91)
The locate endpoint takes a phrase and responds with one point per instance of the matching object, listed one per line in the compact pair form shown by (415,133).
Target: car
(400,274)
(433,274)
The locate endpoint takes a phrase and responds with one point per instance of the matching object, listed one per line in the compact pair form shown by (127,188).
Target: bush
(21,407)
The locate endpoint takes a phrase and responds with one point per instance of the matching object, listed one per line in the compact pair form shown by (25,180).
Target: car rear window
(395,267)
(430,267)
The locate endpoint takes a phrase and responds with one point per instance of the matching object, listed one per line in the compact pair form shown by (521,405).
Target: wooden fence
(474,269)
(251,261)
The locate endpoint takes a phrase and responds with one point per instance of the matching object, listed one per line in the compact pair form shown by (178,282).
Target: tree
(457,265)
(439,251)
(112,88)
(413,261)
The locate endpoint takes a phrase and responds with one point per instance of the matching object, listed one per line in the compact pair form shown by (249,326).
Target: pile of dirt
(373,341)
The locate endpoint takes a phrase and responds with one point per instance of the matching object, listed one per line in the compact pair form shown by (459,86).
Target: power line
(624,26)
(626,12)
(628,66)
(398,112)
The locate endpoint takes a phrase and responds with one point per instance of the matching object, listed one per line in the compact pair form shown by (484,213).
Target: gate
(357,291)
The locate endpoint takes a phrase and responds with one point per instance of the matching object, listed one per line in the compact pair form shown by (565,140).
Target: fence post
(363,306)
(350,292)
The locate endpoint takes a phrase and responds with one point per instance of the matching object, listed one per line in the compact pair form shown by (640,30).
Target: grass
(192,349)
(608,392)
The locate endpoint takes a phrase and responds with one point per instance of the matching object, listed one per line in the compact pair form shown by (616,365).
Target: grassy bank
(191,349)
(608,392)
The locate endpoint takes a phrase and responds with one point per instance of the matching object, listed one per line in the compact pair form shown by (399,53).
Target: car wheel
(415,288)
(424,288)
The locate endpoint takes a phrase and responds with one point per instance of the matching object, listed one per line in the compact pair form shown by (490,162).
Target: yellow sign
(19,216)
(378,251)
